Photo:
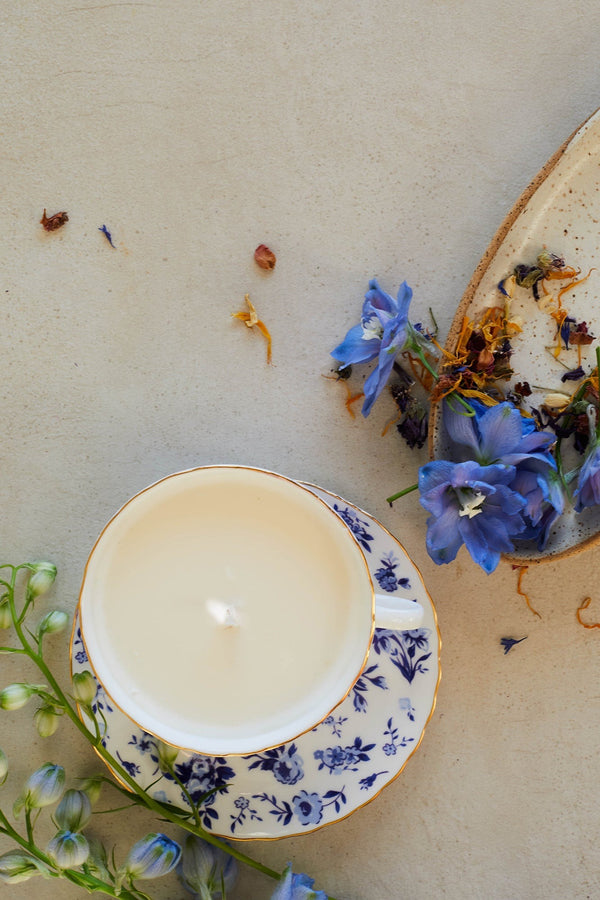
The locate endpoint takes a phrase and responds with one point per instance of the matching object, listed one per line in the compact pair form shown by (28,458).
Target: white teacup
(227,610)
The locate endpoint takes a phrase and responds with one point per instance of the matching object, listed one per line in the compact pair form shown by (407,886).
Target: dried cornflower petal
(53,222)
(264,257)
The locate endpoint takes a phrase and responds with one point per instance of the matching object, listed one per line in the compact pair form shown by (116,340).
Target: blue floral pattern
(387,578)
(330,771)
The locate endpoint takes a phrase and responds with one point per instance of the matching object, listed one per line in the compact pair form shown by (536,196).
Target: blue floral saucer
(339,766)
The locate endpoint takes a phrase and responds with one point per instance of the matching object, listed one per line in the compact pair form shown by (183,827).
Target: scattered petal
(107,235)
(508,643)
(53,222)
(264,257)
(250,318)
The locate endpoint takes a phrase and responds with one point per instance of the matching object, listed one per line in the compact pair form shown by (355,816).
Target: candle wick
(225,614)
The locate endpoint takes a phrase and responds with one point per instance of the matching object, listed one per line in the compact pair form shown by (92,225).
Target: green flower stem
(402,493)
(81,879)
(154,805)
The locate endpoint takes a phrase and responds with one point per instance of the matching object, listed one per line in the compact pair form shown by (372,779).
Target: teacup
(227,610)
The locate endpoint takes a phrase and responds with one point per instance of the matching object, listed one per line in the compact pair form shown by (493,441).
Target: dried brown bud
(55,221)
(264,257)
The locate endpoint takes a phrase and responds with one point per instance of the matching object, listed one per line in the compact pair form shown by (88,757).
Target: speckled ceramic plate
(560,212)
(336,768)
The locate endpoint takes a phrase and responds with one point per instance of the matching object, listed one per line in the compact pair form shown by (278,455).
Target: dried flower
(107,235)
(508,643)
(251,320)
(264,257)
(55,221)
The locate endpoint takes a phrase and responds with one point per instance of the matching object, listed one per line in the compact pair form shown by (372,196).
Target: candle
(226,610)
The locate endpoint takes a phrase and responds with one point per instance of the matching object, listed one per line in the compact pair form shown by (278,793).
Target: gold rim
(355,547)
(281,837)
(469,296)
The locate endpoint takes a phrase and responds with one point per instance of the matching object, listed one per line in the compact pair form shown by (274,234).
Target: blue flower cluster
(505,488)
(382,333)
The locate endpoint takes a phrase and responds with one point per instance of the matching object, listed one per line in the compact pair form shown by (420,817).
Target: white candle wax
(226,609)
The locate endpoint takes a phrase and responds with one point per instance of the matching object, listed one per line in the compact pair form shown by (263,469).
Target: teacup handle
(397,613)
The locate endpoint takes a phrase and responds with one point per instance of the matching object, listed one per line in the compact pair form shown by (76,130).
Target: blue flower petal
(355,349)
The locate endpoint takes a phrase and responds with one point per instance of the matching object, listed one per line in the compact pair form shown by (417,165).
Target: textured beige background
(357,139)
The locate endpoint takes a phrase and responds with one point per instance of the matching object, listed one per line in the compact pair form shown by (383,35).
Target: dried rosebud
(264,257)
(53,222)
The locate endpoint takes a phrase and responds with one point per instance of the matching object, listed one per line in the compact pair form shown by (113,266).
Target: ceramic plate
(560,212)
(329,772)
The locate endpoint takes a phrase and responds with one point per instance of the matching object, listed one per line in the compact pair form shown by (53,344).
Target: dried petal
(264,257)
(53,222)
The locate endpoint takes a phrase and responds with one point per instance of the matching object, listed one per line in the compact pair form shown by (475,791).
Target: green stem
(96,742)
(402,493)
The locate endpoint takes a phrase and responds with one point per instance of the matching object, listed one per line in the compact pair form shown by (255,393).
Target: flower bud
(92,787)
(16,866)
(166,756)
(5,616)
(204,869)
(44,787)
(41,580)
(153,856)
(3,766)
(53,622)
(68,849)
(46,721)
(74,811)
(16,695)
(295,886)
(84,687)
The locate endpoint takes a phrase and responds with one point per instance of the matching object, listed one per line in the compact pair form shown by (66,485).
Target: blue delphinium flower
(500,435)
(381,334)
(151,857)
(587,492)
(297,887)
(470,504)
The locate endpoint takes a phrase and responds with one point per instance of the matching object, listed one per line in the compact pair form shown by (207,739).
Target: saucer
(342,764)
